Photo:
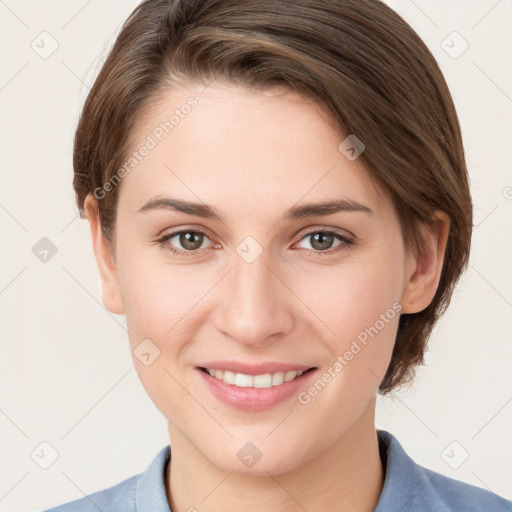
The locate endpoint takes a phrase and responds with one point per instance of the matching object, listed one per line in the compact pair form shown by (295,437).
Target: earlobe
(423,271)
(111,293)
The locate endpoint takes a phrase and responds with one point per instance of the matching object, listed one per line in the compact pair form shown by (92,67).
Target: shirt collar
(404,484)
(402,490)
(151,495)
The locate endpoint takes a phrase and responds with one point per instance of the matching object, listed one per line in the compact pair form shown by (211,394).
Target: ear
(110,290)
(423,271)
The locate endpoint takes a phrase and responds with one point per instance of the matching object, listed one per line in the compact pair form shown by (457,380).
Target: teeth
(277,378)
(243,380)
(229,377)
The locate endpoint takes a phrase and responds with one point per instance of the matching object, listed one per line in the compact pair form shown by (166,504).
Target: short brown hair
(357,58)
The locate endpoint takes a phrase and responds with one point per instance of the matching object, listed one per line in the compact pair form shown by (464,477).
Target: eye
(322,241)
(190,240)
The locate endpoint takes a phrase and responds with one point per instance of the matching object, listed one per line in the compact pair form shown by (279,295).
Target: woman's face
(261,285)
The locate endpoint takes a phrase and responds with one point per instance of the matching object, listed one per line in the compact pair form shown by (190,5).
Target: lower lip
(254,399)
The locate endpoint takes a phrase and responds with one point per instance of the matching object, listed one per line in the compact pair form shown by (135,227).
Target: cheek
(156,294)
(158,300)
(359,306)
(352,296)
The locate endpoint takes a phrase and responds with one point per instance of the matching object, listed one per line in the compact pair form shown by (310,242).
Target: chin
(246,458)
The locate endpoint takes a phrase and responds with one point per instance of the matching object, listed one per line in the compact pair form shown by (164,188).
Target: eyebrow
(293,213)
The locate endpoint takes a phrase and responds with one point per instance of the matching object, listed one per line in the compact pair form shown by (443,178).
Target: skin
(252,155)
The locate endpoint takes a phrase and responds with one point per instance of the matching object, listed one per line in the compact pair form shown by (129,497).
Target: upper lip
(254,369)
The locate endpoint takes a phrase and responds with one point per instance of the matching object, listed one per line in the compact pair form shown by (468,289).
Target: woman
(279,204)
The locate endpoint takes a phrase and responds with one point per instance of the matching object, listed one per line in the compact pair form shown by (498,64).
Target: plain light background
(66,374)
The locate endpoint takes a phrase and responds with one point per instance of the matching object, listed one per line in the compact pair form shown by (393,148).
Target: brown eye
(186,243)
(322,241)
(191,240)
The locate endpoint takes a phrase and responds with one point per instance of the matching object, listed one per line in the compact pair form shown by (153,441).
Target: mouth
(264,380)
(256,391)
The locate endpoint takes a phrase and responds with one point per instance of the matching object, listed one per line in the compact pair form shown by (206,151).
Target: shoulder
(144,492)
(447,494)
(410,486)
(119,497)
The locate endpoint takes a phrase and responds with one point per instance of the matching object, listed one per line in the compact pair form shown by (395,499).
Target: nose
(255,306)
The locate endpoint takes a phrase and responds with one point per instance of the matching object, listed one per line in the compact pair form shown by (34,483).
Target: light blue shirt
(408,487)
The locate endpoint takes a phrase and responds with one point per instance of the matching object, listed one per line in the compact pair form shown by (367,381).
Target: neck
(347,477)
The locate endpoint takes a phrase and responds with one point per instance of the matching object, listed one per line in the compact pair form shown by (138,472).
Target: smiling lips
(263,375)
(243,380)
(254,392)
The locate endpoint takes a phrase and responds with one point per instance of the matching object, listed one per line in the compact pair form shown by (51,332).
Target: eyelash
(345,242)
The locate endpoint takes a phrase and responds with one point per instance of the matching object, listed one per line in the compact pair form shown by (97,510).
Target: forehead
(257,146)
